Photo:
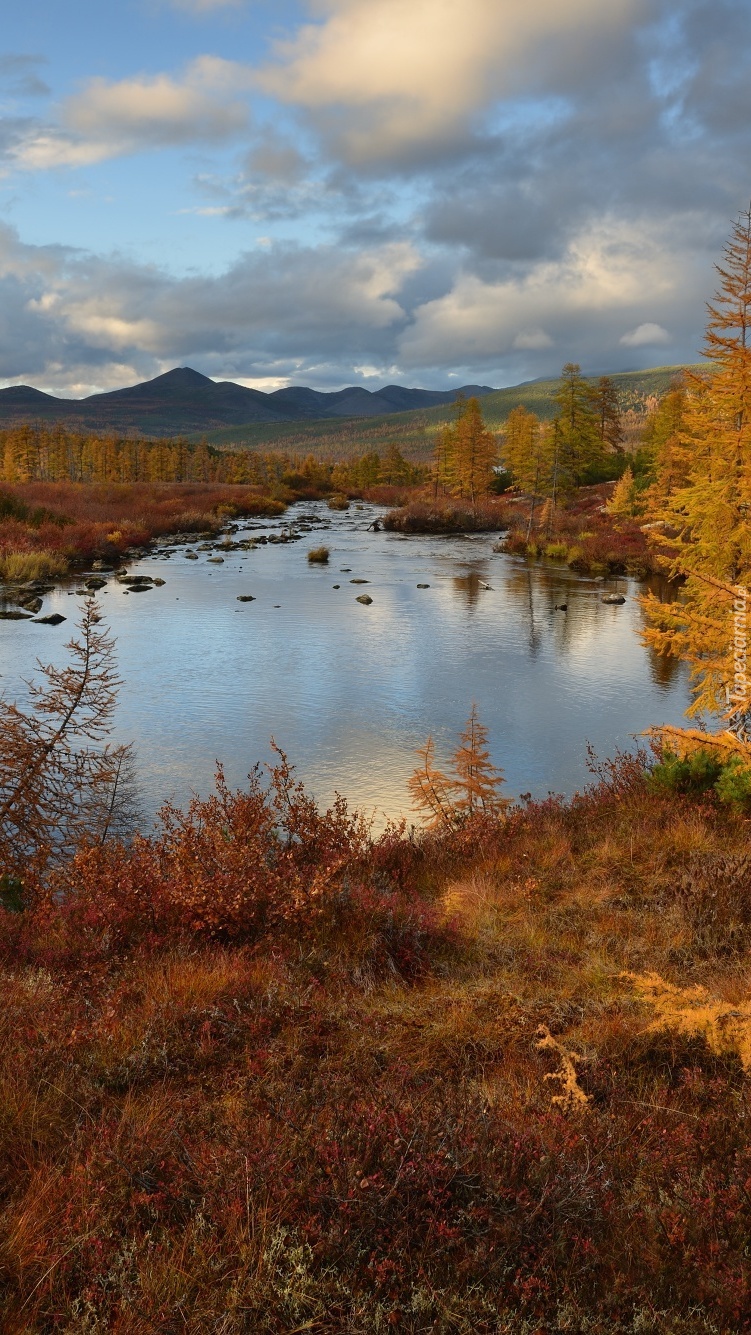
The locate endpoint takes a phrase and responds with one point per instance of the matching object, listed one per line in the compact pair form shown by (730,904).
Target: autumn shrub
(446,516)
(78,522)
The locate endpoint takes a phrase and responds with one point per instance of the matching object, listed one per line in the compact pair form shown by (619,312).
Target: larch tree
(60,782)
(622,504)
(709,514)
(473,787)
(431,789)
(444,460)
(478,782)
(475,452)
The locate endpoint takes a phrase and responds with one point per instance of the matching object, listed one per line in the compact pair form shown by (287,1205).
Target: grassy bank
(583,536)
(45,528)
(263,1074)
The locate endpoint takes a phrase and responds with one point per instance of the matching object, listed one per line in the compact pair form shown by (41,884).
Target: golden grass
(18,567)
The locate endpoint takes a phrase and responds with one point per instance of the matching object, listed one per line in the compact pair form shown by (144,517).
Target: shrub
(697,773)
(338,503)
(318,555)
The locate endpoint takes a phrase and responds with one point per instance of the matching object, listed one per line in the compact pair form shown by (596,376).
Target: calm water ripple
(350,691)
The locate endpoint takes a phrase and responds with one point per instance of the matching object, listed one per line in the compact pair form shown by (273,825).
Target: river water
(349,691)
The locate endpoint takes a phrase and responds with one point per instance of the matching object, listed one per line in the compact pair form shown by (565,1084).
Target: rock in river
(614,599)
(53,620)
(245,598)
(364,598)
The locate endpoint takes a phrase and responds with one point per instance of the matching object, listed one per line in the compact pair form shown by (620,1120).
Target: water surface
(350,691)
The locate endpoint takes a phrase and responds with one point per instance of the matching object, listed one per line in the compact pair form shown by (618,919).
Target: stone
(158,582)
(364,598)
(423,586)
(8,615)
(95,583)
(54,619)
(613,599)
(359,581)
(191,556)
(245,598)
(215,560)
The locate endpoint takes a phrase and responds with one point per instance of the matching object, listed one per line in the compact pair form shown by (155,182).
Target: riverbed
(350,690)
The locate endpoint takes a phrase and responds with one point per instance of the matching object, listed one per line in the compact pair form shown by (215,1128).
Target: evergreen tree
(579,443)
(607,407)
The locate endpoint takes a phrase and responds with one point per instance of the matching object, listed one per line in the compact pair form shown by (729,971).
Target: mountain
(184,401)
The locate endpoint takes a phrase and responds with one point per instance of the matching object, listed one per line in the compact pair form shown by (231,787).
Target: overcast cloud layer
(367,191)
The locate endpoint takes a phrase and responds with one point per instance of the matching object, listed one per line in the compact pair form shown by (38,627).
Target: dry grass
(318,556)
(16,567)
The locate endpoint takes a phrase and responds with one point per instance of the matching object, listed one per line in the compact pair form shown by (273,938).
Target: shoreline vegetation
(263,1070)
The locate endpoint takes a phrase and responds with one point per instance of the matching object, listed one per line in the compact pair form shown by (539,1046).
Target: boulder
(53,620)
(364,598)
(12,615)
(613,599)
(359,581)
(423,586)
(245,598)
(215,560)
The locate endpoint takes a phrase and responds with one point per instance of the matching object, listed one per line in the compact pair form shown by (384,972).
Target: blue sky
(361,191)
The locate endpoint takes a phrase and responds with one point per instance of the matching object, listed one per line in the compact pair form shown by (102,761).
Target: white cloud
(108,120)
(410,73)
(645,336)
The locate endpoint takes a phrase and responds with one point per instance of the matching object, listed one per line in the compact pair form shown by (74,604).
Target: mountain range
(184,401)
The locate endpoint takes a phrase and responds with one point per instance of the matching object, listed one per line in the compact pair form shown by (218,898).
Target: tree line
(40,453)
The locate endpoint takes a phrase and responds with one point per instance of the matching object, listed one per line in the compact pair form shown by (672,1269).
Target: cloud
(108,120)
(271,312)
(379,76)
(645,336)
(609,273)
(532,340)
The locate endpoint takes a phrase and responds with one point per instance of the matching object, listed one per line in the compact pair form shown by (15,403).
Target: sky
(339,192)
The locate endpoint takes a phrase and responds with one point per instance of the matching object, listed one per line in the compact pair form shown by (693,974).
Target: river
(349,691)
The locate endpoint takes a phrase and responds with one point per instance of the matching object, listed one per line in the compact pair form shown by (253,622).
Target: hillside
(414,432)
(183,400)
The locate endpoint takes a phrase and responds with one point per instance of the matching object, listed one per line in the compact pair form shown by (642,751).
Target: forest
(265,1069)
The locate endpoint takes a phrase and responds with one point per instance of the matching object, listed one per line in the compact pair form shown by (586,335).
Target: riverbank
(581,534)
(47,529)
(494,1082)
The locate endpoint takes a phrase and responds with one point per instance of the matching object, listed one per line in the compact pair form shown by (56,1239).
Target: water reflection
(349,690)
